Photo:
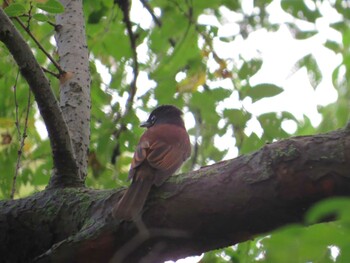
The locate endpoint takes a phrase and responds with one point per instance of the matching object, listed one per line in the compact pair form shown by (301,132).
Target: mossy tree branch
(216,206)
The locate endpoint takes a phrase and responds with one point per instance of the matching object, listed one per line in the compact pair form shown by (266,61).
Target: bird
(162,149)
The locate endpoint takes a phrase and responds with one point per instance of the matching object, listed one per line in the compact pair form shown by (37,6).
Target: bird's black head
(164,114)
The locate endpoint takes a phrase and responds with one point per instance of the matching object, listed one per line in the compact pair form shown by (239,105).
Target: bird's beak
(146,124)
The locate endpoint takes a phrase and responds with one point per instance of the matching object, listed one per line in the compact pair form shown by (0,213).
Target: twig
(198,123)
(189,16)
(29,15)
(50,72)
(150,11)
(21,139)
(16,107)
(52,24)
(124,5)
(156,20)
(60,70)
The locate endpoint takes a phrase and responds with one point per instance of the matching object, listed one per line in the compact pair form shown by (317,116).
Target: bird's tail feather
(132,202)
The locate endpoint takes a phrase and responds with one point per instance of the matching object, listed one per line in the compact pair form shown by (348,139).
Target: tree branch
(124,6)
(219,205)
(21,140)
(64,162)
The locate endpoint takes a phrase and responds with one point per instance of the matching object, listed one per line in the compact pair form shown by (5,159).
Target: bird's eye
(153,119)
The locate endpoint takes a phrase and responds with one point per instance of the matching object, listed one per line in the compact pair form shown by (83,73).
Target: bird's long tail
(130,205)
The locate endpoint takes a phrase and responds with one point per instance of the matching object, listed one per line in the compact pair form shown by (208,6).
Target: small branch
(52,24)
(26,28)
(29,15)
(22,139)
(124,6)
(150,11)
(189,16)
(115,153)
(19,137)
(156,20)
(198,124)
(51,73)
(16,107)
(60,70)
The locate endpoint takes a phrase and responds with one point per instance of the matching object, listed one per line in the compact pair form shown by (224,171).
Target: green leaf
(249,68)
(15,9)
(40,17)
(263,90)
(251,143)
(237,117)
(339,207)
(314,71)
(97,15)
(271,124)
(300,10)
(51,6)
(342,8)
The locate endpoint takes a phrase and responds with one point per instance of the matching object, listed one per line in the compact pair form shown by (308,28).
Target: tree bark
(75,88)
(216,206)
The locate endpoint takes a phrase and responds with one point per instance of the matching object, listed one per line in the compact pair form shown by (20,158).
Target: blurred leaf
(314,72)
(51,6)
(343,8)
(15,9)
(6,122)
(237,117)
(264,90)
(251,143)
(311,244)
(191,83)
(40,17)
(271,123)
(333,46)
(301,34)
(335,207)
(249,69)
(96,15)
(300,10)
(305,127)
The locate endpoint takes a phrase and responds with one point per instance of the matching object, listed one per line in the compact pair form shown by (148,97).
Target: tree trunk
(216,206)
(75,87)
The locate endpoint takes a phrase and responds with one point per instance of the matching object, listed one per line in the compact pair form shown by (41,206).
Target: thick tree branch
(216,206)
(64,161)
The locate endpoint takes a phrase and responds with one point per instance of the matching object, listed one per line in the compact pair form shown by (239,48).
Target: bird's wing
(140,156)
(166,159)
(164,154)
